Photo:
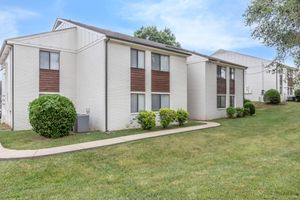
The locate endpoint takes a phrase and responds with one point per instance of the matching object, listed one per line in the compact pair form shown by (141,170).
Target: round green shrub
(231,112)
(167,116)
(147,120)
(247,100)
(181,116)
(297,95)
(52,116)
(251,108)
(240,112)
(272,96)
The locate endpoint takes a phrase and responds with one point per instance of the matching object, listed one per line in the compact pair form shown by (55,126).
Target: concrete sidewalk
(22,154)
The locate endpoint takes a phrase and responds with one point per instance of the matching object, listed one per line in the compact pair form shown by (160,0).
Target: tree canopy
(276,23)
(164,36)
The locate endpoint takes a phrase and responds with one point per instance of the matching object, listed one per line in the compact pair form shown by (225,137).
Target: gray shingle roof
(124,37)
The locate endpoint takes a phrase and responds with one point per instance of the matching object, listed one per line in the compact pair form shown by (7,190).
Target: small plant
(52,116)
(240,112)
(272,96)
(167,116)
(146,120)
(181,116)
(251,108)
(246,111)
(247,100)
(297,95)
(231,112)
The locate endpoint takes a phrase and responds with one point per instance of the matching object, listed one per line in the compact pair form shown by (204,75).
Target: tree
(277,24)
(164,36)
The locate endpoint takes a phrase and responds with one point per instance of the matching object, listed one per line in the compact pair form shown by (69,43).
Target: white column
(227,87)
(148,80)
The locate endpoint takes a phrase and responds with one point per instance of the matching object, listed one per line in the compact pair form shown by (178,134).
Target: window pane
(223,72)
(141,101)
(44,60)
(155,102)
(232,73)
(141,59)
(232,101)
(54,61)
(134,103)
(165,101)
(155,58)
(221,101)
(134,58)
(164,63)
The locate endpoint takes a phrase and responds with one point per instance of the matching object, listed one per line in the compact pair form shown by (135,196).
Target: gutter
(106,84)
(13,87)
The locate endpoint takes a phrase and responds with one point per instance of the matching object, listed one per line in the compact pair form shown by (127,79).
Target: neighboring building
(258,78)
(213,85)
(108,75)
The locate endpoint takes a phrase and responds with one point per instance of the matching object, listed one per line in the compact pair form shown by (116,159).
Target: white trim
(161,93)
(49,93)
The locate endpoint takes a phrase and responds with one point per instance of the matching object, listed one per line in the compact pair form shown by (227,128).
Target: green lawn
(250,158)
(31,140)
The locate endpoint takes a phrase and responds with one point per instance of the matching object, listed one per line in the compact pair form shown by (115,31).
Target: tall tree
(164,36)
(276,23)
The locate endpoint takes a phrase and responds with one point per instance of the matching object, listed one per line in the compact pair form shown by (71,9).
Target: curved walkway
(22,154)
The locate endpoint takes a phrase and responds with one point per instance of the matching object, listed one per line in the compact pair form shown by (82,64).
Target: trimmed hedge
(250,106)
(146,120)
(240,112)
(272,96)
(167,116)
(52,116)
(182,117)
(231,112)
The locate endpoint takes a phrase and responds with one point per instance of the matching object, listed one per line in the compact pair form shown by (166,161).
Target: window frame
(137,58)
(160,68)
(160,100)
(138,109)
(220,107)
(49,52)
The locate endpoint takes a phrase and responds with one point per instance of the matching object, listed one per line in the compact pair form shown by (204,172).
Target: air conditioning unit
(82,124)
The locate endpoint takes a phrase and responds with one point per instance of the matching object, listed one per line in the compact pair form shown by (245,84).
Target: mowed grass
(250,158)
(31,140)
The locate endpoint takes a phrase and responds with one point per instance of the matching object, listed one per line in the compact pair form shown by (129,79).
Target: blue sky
(201,25)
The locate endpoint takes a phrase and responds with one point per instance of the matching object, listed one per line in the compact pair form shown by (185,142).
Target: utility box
(82,123)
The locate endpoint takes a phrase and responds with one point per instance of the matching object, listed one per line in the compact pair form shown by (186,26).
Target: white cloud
(197,24)
(9,19)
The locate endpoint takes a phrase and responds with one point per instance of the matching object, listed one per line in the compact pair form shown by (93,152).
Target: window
(232,73)
(49,60)
(221,72)
(221,101)
(160,62)
(137,103)
(160,101)
(137,59)
(232,101)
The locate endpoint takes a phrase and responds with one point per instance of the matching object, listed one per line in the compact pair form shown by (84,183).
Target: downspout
(12,87)
(243,87)
(106,84)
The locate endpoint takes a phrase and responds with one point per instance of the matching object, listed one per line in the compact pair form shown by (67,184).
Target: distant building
(258,78)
